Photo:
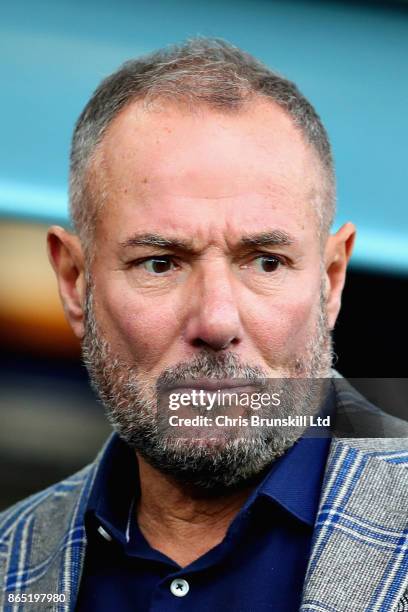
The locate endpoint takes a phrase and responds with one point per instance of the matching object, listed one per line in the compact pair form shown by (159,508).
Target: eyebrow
(267,238)
(155,240)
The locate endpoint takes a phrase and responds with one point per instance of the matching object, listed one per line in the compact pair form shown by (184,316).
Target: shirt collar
(115,489)
(295,479)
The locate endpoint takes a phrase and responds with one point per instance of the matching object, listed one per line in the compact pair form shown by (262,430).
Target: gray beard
(132,403)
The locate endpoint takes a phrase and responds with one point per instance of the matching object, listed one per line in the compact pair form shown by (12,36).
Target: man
(202,195)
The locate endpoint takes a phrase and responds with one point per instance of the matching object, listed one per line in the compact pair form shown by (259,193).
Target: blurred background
(349,58)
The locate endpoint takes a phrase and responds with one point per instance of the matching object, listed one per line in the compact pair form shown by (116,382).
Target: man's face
(214,185)
(207,258)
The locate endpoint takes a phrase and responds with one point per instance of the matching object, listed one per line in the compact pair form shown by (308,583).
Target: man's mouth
(211,386)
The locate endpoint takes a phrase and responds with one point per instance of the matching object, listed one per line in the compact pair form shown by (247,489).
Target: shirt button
(104,533)
(179,587)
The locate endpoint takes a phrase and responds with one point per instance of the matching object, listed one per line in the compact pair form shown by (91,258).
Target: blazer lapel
(359,555)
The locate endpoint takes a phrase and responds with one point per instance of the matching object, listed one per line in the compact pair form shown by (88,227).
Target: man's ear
(339,247)
(66,256)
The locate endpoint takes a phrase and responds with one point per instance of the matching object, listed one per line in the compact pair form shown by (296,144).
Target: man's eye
(158,265)
(267,263)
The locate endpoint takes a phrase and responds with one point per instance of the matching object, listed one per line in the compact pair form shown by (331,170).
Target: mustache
(212,367)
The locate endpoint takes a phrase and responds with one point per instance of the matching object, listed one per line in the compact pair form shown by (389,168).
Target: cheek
(138,330)
(283,327)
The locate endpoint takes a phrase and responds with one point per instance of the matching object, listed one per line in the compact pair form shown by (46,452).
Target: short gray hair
(202,70)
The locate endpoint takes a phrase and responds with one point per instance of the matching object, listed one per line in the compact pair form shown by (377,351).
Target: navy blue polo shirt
(260,565)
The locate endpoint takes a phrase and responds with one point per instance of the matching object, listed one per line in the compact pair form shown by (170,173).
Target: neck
(179,521)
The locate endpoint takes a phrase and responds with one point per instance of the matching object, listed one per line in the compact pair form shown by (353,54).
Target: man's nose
(213,318)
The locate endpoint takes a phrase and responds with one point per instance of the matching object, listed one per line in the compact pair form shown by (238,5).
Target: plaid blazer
(359,554)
